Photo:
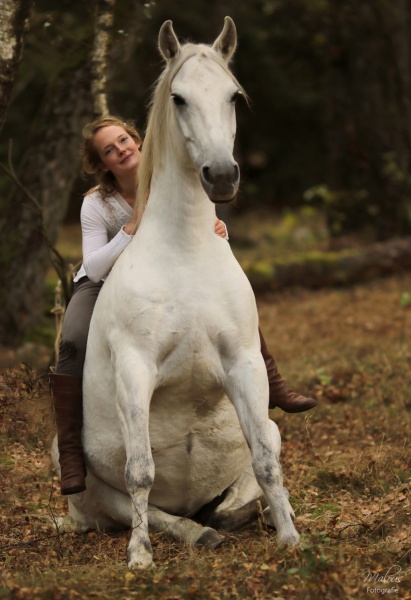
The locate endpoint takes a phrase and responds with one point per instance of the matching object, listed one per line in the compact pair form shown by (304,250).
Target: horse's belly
(195,458)
(198,448)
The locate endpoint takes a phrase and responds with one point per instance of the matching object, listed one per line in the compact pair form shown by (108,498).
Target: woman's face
(118,151)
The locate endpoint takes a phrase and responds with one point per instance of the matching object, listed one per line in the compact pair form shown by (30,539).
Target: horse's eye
(178,100)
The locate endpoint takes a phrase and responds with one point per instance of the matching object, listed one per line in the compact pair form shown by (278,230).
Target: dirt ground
(346,465)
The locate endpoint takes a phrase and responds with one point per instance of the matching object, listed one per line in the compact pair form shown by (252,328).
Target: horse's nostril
(236,172)
(206,174)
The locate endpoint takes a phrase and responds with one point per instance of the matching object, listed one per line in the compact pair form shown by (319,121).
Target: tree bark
(14,20)
(48,171)
(102,35)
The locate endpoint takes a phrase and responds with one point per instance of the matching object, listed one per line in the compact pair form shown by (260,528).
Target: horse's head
(201,94)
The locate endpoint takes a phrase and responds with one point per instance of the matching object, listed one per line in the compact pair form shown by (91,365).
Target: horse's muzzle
(221,182)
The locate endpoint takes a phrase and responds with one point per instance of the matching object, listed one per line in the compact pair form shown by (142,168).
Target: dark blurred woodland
(329,122)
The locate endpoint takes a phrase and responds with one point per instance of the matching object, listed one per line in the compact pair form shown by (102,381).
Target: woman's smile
(117,149)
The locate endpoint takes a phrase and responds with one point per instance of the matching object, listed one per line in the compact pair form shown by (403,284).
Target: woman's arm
(99,254)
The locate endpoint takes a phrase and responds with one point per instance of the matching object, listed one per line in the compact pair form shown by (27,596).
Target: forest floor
(347,465)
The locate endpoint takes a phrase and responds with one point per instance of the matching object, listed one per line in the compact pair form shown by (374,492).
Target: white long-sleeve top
(103,236)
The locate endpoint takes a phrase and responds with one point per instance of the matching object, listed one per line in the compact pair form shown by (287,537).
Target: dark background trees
(368,125)
(330,121)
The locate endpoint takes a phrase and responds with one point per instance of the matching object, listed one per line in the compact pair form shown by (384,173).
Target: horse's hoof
(139,554)
(143,562)
(290,539)
(138,566)
(209,539)
(68,525)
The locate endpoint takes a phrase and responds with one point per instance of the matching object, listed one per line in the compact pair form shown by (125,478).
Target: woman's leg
(66,386)
(280,394)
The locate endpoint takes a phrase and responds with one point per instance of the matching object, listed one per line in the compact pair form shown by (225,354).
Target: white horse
(175,386)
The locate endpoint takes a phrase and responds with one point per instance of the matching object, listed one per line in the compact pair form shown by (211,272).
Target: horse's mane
(159,114)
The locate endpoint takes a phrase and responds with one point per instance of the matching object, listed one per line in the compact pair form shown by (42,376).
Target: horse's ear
(226,42)
(167,41)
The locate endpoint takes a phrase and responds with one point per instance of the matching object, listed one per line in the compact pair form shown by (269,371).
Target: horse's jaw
(222,192)
(223,200)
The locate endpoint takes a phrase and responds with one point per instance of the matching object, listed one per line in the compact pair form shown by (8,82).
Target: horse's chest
(185,320)
(191,359)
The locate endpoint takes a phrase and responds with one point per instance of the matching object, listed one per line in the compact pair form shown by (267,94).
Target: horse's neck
(178,203)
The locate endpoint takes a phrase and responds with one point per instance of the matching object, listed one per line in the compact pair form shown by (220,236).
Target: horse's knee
(267,468)
(139,474)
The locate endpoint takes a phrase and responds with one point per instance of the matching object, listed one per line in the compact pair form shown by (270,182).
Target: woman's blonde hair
(91,161)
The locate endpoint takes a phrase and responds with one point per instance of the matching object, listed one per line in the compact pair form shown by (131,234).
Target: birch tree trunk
(102,35)
(14,20)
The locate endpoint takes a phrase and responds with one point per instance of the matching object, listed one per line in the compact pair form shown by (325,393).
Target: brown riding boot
(280,394)
(67,393)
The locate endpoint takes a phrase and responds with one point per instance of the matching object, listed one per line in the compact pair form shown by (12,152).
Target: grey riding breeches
(76,325)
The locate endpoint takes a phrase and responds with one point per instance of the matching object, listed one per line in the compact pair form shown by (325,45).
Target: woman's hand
(131,227)
(221,229)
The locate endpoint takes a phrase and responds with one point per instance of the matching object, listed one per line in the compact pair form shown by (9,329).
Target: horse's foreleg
(134,385)
(247,387)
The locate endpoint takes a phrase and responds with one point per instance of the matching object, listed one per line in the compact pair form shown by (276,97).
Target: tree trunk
(14,19)
(102,35)
(48,170)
